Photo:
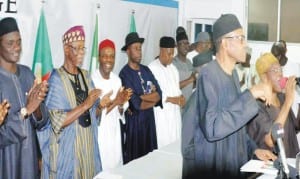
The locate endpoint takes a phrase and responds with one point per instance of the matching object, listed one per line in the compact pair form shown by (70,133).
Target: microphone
(277,134)
(283,80)
(298,163)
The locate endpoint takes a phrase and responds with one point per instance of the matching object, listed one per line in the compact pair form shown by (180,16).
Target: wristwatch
(24,112)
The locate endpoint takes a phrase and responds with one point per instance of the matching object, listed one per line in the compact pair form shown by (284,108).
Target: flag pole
(94,53)
(43,2)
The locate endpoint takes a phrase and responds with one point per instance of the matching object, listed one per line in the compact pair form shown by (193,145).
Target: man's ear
(66,49)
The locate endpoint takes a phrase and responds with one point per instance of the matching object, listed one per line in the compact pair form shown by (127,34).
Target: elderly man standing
(18,144)
(220,143)
(73,104)
(168,118)
(140,124)
(109,133)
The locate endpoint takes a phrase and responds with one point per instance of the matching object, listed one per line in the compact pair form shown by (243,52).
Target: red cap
(106,43)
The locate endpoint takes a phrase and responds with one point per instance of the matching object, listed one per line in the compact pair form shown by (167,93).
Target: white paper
(259,166)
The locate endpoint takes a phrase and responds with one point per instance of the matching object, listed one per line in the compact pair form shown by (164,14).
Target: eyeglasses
(276,70)
(77,49)
(241,38)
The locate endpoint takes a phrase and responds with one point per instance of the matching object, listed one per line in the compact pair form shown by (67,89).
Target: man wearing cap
(70,149)
(187,76)
(18,144)
(279,111)
(220,144)
(140,123)
(201,44)
(109,133)
(168,118)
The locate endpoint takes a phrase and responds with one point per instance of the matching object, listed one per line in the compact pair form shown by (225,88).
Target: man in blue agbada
(26,114)
(140,128)
(214,138)
(70,148)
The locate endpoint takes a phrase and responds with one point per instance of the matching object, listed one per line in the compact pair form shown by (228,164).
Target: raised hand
(36,95)
(262,91)
(105,100)
(290,90)
(123,95)
(92,97)
(4,106)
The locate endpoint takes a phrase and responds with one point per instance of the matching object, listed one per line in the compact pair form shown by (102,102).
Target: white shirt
(168,118)
(109,132)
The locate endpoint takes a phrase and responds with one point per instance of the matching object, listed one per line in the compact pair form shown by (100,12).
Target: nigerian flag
(94,64)
(42,59)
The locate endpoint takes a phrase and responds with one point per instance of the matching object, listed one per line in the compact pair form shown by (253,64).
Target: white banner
(152,22)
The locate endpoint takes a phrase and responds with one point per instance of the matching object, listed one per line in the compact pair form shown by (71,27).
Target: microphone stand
(280,174)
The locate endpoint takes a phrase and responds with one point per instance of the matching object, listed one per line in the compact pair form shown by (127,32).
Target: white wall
(214,8)
(113,21)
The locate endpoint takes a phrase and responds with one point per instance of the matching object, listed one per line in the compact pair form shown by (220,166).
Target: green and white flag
(42,59)
(94,64)
(132,23)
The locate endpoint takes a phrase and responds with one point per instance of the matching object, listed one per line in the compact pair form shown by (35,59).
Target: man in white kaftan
(168,118)
(109,131)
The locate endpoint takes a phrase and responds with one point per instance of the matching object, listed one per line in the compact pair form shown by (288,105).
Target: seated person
(279,111)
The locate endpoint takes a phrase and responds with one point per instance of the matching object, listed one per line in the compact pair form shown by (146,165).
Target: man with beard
(109,133)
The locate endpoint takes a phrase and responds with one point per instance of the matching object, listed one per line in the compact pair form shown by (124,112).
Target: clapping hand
(92,97)
(123,95)
(36,95)
(4,106)
(105,100)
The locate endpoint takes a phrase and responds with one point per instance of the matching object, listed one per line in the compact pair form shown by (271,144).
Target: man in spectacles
(219,144)
(74,111)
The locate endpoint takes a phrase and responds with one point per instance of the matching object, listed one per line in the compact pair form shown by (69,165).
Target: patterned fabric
(74,34)
(70,152)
